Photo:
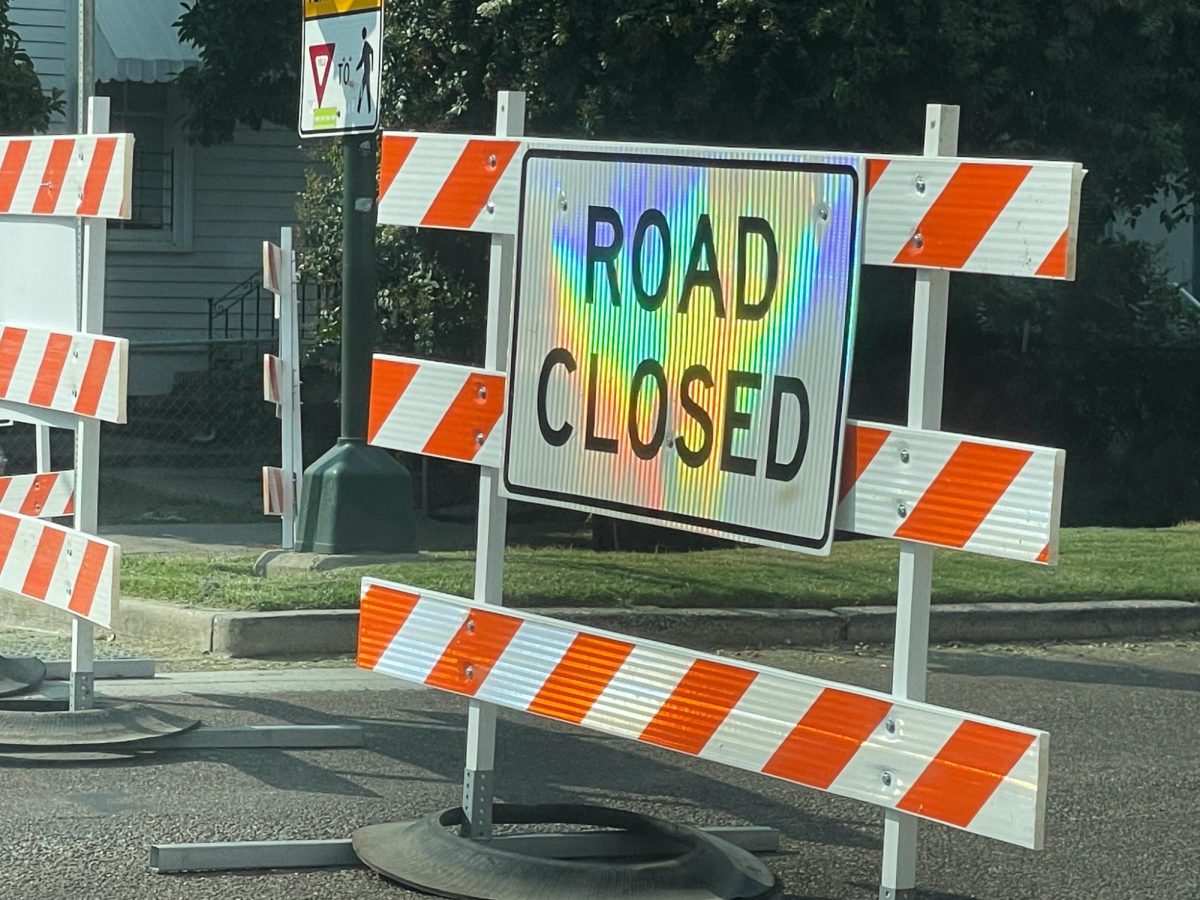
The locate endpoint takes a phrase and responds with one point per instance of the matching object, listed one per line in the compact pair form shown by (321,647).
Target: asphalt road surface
(1123,819)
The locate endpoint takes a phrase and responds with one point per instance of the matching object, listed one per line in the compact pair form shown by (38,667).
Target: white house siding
(242,194)
(46,31)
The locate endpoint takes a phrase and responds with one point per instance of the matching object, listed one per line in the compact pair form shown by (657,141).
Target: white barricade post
(281,386)
(681,326)
(665,368)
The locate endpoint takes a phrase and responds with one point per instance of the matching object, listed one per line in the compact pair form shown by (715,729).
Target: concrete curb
(326,632)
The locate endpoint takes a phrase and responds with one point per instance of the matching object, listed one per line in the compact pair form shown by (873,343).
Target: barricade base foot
(60,669)
(18,674)
(687,863)
(41,724)
(887,893)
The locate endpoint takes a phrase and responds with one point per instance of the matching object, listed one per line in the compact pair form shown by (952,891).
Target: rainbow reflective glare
(575,204)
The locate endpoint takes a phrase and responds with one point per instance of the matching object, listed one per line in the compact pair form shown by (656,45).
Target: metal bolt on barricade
(761,452)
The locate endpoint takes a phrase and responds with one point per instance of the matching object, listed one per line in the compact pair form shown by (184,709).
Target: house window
(161,165)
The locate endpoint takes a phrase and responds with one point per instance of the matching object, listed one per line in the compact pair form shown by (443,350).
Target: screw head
(481,392)
(886,778)
(491,207)
(823,211)
(471,626)
(469,671)
(903,454)
(918,240)
(479,438)
(902,509)
(890,725)
(491,160)
(562,202)
(919,183)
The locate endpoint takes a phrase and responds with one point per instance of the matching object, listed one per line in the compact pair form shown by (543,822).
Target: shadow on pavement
(1046,669)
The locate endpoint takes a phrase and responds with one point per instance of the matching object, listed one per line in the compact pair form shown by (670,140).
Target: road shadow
(1015,665)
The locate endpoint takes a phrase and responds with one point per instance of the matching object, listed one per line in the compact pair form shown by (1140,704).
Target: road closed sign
(340,64)
(681,337)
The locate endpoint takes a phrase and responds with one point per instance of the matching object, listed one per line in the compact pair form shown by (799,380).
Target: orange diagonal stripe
(35,497)
(88,579)
(698,705)
(97,177)
(11,342)
(46,200)
(381,615)
(965,773)
(875,168)
(963,494)
(826,738)
(473,651)
(962,214)
(94,377)
(392,157)
(50,371)
(45,558)
(389,380)
(469,183)
(469,420)
(8,531)
(580,678)
(11,168)
(1055,263)
(862,445)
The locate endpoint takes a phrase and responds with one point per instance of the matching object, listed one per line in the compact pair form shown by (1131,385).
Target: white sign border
(817,546)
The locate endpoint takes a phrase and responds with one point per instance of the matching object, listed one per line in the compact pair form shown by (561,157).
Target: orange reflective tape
(88,579)
(962,214)
(46,200)
(11,342)
(45,385)
(94,377)
(389,379)
(8,532)
(392,156)
(381,615)
(962,494)
(965,773)
(1055,263)
(699,704)
(35,498)
(470,418)
(580,678)
(875,168)
(97,177)
(45,559)
(862,445)
(1044,556)
(470,183)
(11,168)
(473,651)
(826,738)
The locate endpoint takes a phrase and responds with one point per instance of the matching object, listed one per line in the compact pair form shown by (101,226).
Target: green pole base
(356,499)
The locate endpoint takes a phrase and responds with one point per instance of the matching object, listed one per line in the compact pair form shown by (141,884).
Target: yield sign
(320,57)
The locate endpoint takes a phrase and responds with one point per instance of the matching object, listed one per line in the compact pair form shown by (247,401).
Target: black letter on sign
(748,225)
(651,218)
(650,368)
(785,384)
(737,421)
(708,277)
(606,255)
(555,437)
(695,458)
(592,441)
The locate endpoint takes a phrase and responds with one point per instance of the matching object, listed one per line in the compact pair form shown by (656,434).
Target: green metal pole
(357,498)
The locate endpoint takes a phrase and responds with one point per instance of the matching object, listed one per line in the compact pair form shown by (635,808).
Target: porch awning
(136,40)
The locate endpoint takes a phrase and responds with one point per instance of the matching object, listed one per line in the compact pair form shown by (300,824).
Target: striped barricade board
(68,372)
(59,566)
(973,773)
(45,495)
(273,378)
(84,175)
(996,216)
(984,496)
(272,491)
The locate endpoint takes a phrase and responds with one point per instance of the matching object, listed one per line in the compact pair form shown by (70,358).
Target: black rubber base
(428,856)
(40,724)
(20,674)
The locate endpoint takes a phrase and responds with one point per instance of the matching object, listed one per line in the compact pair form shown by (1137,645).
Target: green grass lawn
(1096,564)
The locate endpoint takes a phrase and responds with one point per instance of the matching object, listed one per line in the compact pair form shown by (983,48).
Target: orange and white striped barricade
(632,345)
(281,386)
(57,369)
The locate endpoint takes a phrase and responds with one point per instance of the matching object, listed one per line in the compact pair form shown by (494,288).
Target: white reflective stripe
(29,184)
(1029,225)
(60,495)
(895,207)
(761,721)
(423,406)
(1019,526)
(635,694)
(422,639)
(417,183)
(525,665)
(1020,799)
(20,553)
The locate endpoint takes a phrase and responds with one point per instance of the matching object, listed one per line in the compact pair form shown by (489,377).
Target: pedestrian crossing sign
(340,67)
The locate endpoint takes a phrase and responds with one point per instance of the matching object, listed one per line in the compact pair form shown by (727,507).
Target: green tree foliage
(1092,366)
(23,105)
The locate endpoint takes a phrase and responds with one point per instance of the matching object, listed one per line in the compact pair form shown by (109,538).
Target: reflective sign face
(680,344)
(340,65)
